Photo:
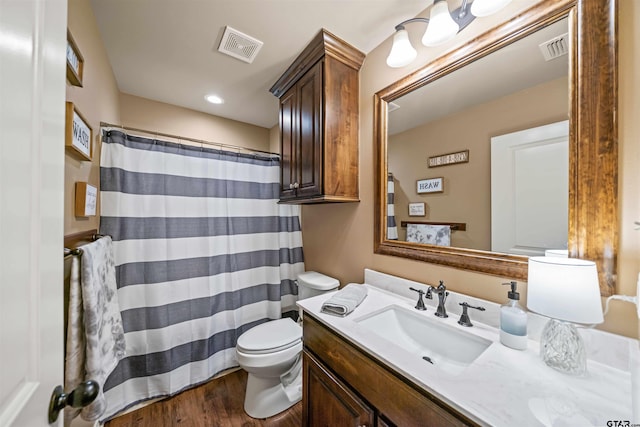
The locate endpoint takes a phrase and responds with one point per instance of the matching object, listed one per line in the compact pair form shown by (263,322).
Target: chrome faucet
(420,304)
(441,290)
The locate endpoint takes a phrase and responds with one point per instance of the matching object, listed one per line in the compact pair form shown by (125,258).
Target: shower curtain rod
(198,141)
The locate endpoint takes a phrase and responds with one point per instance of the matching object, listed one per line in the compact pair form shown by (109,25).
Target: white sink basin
(446,347)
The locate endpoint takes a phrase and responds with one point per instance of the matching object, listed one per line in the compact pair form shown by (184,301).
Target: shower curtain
(203,252)
(392,229)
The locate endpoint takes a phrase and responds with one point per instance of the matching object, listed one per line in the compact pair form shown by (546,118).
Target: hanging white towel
(430,234)
(95,337)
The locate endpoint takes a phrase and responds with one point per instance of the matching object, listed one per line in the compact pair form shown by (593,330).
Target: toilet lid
(273,335)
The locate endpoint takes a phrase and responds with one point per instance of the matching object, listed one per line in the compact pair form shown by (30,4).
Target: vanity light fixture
(567,291)
(442,26)
(482,8)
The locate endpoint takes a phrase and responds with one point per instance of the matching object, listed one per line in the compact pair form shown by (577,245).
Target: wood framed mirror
(592,199)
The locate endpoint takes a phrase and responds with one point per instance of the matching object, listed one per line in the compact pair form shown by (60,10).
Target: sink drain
(428,359)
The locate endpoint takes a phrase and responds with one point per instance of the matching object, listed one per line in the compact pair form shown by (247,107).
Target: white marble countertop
(502,387)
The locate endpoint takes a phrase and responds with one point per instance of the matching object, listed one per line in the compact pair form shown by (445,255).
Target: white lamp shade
(442,27)
(563,253)
(564,289)
(402,53)
(482,8)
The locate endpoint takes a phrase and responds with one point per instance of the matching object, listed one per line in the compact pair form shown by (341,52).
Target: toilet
(271,353)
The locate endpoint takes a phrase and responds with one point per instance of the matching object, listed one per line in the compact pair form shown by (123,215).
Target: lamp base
(562,348)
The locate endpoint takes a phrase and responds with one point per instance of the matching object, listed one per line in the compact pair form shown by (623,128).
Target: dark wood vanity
(319,96)
(343,386)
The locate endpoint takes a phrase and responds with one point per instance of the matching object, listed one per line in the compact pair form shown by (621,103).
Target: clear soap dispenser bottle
(513,321)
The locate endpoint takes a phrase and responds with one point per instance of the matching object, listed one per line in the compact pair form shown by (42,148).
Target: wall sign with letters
(449,159)
(78,134)
(75,62)
(431,185)
(417,209)
(86,199)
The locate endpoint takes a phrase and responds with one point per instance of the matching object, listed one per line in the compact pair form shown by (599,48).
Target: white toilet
(271,353)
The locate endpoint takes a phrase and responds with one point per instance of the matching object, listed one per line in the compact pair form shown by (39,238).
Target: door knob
(80,397)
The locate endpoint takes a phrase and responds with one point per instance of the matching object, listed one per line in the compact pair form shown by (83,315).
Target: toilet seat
(270,337)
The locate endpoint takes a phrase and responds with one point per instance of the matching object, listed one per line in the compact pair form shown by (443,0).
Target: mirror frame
(593,139)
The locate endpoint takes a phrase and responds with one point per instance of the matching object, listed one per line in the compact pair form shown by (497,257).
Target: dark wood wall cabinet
(319,97)
(343,386)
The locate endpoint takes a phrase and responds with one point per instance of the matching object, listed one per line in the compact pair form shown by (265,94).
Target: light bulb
(482,8)
(402,53)
(442,27)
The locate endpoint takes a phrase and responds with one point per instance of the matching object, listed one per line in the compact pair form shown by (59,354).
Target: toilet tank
(312,283)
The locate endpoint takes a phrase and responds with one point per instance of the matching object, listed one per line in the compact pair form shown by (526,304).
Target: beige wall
(156,116)
(274,139)
(338,238)
(621,316)
(467,186)
(97,101)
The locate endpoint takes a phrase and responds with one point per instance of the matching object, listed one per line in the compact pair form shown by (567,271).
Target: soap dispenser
(513,321)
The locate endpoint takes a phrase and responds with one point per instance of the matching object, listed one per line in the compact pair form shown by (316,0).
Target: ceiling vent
(555,48)
(239,45)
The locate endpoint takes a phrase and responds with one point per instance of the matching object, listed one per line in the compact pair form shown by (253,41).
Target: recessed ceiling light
(214,99)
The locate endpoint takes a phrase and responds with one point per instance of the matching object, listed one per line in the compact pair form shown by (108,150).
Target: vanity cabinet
(333,403)
(342,385)
(319,96)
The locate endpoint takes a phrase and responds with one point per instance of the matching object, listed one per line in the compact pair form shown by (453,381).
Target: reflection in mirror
(588,109)
(509,109)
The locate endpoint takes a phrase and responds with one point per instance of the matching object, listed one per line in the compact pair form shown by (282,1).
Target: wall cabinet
(344,386)
(319,114)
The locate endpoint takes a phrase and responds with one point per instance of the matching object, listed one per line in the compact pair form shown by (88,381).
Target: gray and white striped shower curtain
(392,229)
(203,252)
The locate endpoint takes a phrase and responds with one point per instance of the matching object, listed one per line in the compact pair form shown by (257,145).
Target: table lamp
(567,291)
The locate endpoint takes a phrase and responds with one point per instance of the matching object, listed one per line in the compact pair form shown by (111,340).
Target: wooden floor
(217,403)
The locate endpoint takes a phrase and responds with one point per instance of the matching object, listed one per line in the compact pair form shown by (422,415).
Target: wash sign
(431,185)
(78,133)
(81,135)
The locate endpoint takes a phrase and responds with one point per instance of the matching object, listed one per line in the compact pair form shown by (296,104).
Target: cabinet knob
(295,185)
(290,186)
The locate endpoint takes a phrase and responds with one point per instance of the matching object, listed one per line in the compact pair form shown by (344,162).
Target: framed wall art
(417,209)
(86,199)
(449,159)
(430,185)
(78,134)
(75,62)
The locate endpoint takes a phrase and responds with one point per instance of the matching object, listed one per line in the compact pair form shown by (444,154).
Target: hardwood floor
(217,403)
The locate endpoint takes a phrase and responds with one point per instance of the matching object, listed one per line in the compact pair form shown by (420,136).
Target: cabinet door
(327,402)
(383,422)
(288,140)
(310,133)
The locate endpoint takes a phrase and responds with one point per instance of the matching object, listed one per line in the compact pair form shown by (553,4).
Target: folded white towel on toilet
(345,300)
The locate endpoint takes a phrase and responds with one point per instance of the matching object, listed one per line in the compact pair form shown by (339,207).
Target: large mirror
(506,148)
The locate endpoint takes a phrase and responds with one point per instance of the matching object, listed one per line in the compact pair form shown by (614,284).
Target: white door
(529,190)
(32,94)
